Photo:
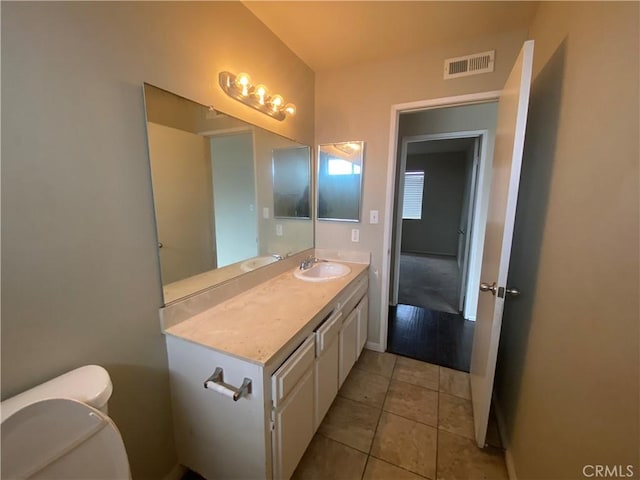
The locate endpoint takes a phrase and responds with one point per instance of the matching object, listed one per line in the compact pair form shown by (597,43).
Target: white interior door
(507,161)
(181,169)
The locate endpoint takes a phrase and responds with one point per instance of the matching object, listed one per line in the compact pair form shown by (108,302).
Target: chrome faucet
(309,262)
(277,257)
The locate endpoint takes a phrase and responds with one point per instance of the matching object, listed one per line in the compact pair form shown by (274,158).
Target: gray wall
(80,274)
(567,378)
(445,178)
(234,198)
(346,112)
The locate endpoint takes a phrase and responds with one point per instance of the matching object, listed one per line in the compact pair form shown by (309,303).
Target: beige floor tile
(365,387)
(455,415)
(455,383)
(376,362)
(351,423)
(379,470)
(460,459)
(325,459)
(413,402)
(417,372)
(407,444)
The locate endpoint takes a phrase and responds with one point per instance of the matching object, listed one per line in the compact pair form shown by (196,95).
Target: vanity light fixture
(239,87)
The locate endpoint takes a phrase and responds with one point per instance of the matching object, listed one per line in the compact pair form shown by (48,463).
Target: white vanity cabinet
(363,322)
(326,364)
(266,430)
(293,413)
(348,346)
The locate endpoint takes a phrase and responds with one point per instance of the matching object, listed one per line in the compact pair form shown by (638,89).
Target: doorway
(437,190)
(441,187)
(497,219)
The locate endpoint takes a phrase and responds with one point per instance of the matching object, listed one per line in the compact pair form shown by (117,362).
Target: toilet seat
(62,438)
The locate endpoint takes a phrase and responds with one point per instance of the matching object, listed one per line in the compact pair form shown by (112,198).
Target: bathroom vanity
(253,377)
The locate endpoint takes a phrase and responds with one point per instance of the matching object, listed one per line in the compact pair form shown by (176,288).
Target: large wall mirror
(229,197)
(340,181)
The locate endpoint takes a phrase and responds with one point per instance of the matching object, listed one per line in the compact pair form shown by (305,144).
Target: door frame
(396,110)
(480,171)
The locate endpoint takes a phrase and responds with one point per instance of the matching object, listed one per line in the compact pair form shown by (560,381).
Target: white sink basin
(257,262)
(322,272)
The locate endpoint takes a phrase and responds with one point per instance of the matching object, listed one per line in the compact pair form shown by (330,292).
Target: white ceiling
(334,34)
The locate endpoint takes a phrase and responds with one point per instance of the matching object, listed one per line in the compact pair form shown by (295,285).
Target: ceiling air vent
(469,65)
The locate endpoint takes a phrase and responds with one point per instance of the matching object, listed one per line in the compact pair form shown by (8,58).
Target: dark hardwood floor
(436,337)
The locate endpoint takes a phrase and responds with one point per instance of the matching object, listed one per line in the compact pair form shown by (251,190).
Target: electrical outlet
(265,212)
(355,235)
(278,229)
(373,216)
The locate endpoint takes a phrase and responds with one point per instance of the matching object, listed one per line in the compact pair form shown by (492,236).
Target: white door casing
(507,162)
(468,227)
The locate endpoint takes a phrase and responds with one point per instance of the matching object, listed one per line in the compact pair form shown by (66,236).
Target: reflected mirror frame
(308,188)
(360,183)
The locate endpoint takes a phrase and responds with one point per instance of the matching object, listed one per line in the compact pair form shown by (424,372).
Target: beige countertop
(258,324)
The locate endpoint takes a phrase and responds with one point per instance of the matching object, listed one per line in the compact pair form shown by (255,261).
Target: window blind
(413,192)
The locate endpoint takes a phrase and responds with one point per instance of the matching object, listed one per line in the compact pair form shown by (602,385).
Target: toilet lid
(62,438)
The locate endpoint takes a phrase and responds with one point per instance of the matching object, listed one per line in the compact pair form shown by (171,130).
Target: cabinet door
(284,380)
(348,345)
(326,379)
(294,426)
(363,322)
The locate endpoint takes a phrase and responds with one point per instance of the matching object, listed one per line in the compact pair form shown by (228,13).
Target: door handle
(514,292)
(493,288)
(485,287)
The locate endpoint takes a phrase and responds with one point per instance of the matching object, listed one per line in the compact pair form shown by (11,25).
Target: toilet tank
(90,384)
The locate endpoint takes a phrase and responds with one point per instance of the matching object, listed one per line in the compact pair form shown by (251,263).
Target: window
(338,166)
(413,191)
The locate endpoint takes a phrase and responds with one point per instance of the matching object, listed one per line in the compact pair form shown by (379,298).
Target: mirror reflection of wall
(213,190)
(234,197)
(291,182)
(340,181)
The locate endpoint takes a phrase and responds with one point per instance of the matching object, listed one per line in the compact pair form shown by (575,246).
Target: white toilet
(60,429)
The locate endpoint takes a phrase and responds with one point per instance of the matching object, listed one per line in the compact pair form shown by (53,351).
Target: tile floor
(399,418)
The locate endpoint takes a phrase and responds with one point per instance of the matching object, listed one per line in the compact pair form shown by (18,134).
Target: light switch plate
(278,229)
(265,212)
(355,235)
(373,216)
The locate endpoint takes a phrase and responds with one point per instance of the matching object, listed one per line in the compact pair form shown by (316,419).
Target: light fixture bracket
(228,83)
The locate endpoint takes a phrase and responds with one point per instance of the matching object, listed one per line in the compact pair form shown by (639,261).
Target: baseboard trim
(376,347)
(176,473)
(504,438)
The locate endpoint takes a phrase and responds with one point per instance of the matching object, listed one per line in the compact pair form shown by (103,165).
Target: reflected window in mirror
(213,188)
(340,181)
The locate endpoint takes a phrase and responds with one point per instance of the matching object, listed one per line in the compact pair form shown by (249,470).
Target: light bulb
(261,92)
(290,108)
(243,81)
(276,102)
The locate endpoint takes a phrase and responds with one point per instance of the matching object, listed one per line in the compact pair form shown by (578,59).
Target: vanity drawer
(327,332)
(293,369)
